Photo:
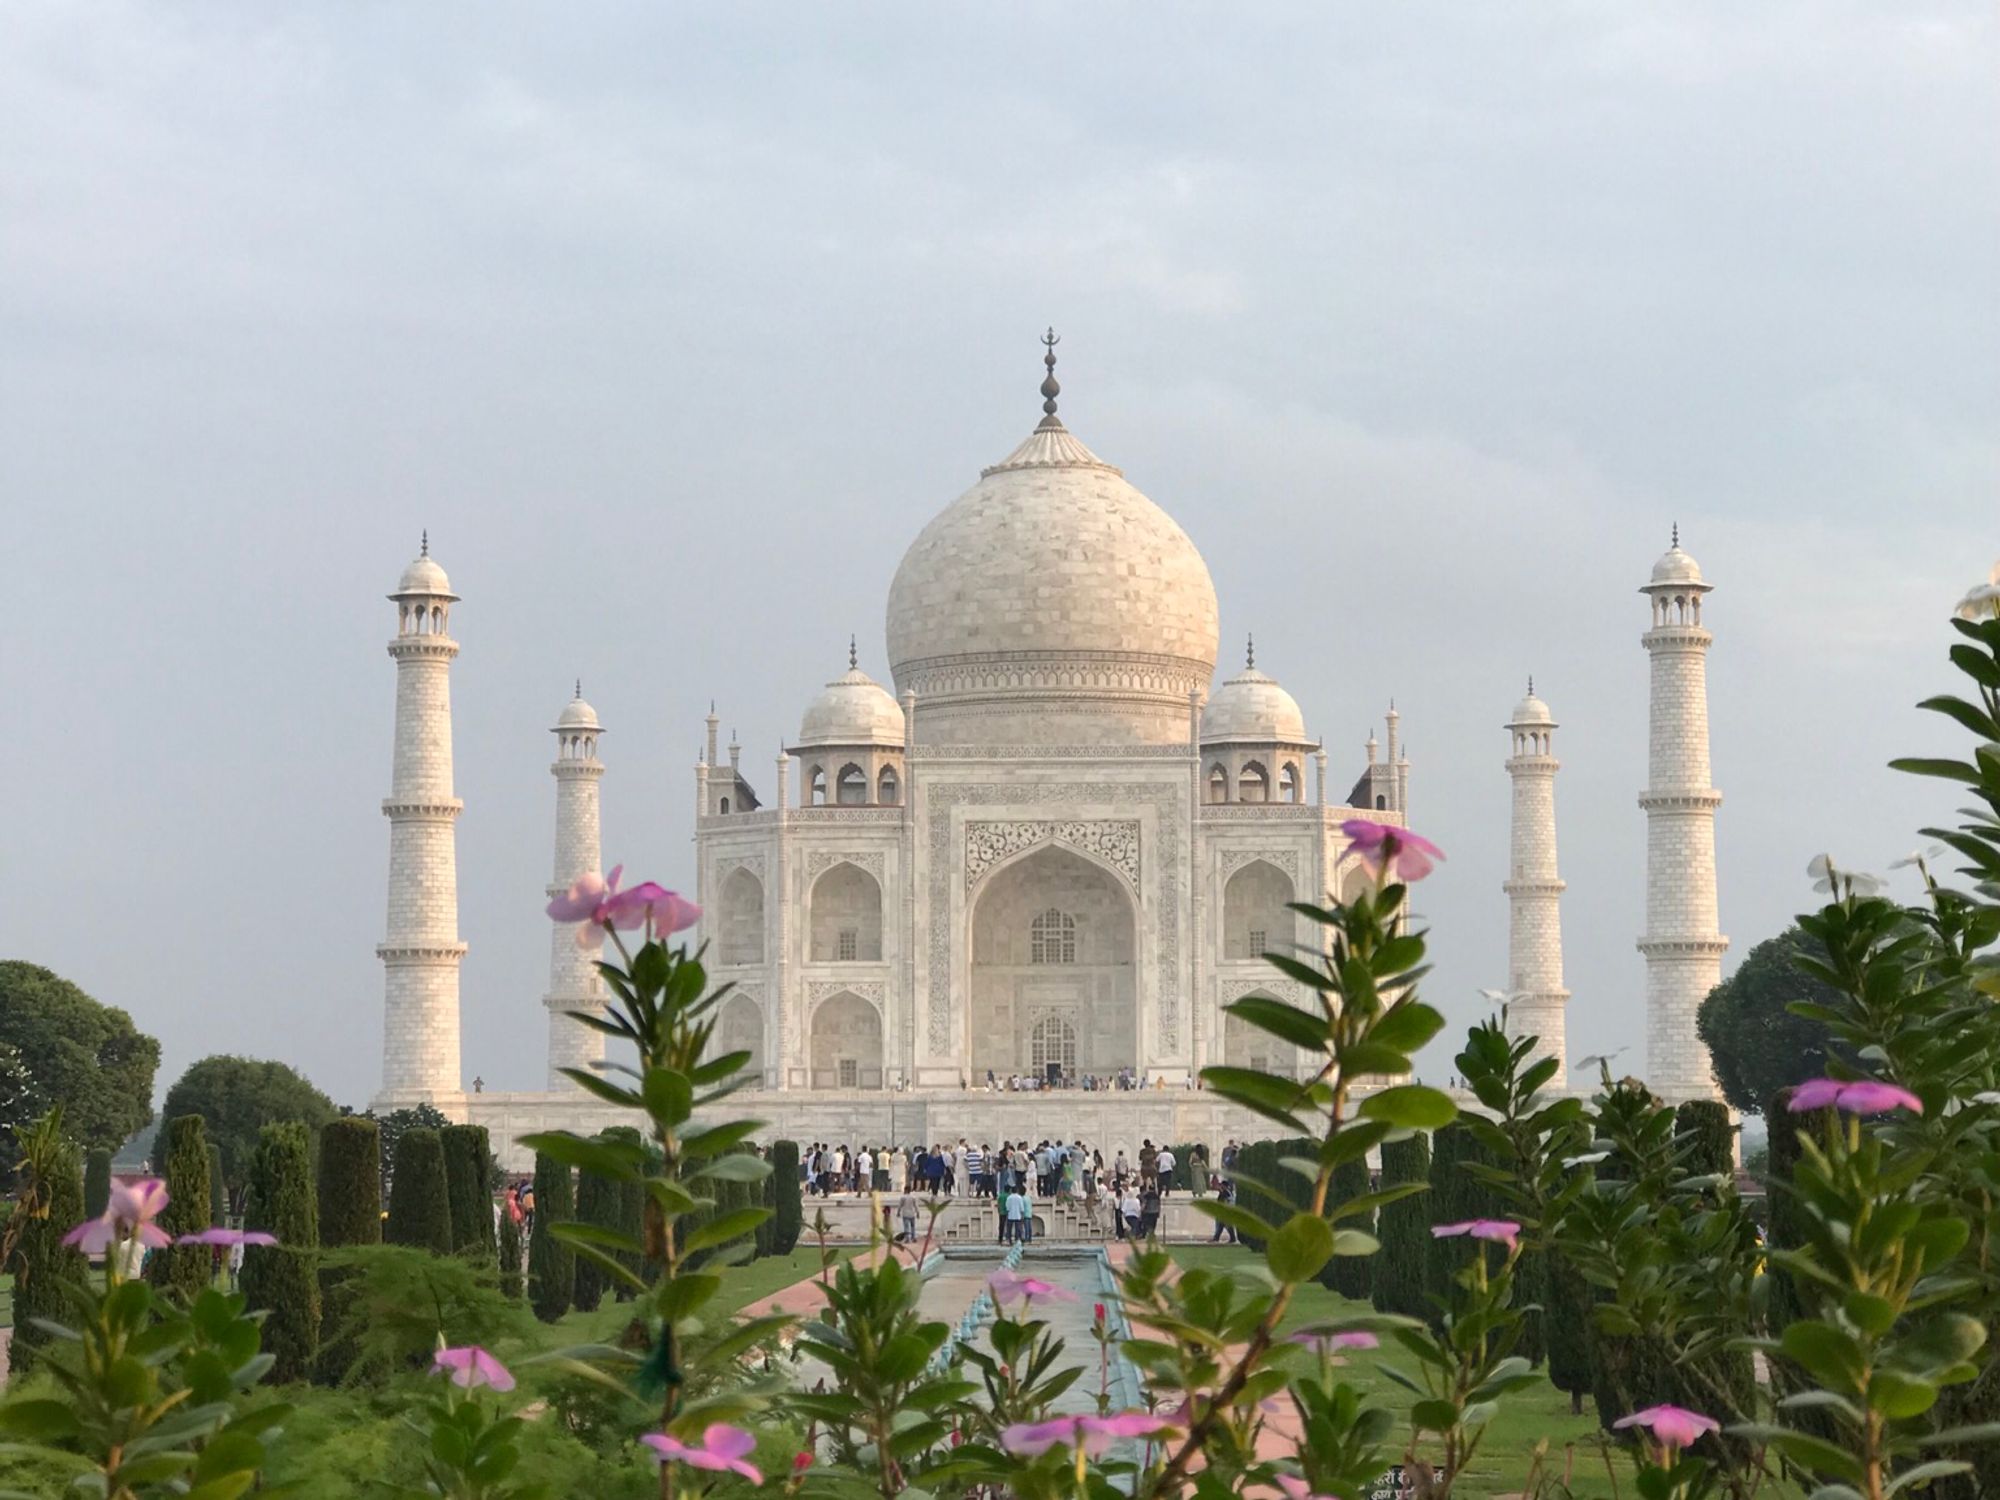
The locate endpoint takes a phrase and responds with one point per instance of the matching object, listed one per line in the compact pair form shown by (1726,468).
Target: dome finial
(1050,389)
(853,660)
(1531,684)
(1249,653)
(425,549)
(579,689)
(1677,533)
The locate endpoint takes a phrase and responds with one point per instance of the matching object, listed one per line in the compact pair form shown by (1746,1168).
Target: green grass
(1500,1465)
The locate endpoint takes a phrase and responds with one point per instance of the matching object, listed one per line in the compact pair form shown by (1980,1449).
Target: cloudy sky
(674,324)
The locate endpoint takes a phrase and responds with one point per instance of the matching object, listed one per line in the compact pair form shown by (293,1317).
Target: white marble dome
(854,709)
(1532,711)
(424,576)
(1252,707)
(1676,567)
(1057,603)
(577,714)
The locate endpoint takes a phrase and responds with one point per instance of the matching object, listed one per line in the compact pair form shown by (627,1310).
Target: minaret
(1534,890)
(574,983)
(421,953)
(1682,947)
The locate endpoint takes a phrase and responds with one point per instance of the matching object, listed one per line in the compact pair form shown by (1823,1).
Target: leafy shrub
(419,1201)
(50,1201)
(350,1182)
(283,1280)
(399,1302)
(1703,1128)
(596,1205)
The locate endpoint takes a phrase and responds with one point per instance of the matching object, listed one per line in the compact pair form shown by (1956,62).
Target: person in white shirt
(864,1171)
(1019,1225)
(1128,1213)
(1166,1170)
(961,1176)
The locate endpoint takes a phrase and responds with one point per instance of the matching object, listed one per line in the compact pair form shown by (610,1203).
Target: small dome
(1531,710)
(577,714)
(424,576)
(1251,706)
(854,709)
(1676,567)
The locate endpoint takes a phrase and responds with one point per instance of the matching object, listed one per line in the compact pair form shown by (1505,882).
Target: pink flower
(1092,1434)
(1500,1231)
(1007,1286)
(1329,1343)
(1405,855)
(722,1447)
(1861,1097)
(1673,1426)
(1297,1489)
(801,1461)
(595,902)
(471,1366)
(131,1210)
(228,1237)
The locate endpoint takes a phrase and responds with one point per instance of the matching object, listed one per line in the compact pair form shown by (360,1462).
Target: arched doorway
(1054,979)
(741,1029)
(1255,919)
(846,916)
(742,924)
(846,1044)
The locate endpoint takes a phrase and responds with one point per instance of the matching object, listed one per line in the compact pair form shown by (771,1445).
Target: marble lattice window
(1052,938)
(846,948)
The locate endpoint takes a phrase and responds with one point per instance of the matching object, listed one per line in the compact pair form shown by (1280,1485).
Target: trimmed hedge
(184,1268)
(551,1263)
(1351,1275)
(283,1280)
(96,1183)
(41,1261)
(419,1201)
(218,1190)
(597,1205)
(350,1182)
(789,1218)
(1566,1329)
(1703,1124)
(467,1162)
(1403,1227)
(510,1258)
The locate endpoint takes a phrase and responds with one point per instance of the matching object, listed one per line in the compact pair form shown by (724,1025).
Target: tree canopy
(237,1097)
(73,1048)
(1754,1041)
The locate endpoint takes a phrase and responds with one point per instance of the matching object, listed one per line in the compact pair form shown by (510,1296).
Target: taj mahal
(1053,846)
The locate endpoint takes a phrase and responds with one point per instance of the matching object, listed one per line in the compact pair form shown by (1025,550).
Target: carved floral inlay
(1116,842)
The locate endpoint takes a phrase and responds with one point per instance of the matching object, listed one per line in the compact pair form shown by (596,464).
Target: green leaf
(1273,1098)
(736,1166)
(603,1088)
(1830,1356)
(1308,1030)
(1362,1059)
(1305,974)
(1238,1218)
(1406,1026)
(1434,1415)
(1898,1396)
(1354,1242)
(681,1297)
(1976,719)
(1410,1106)
(618,1161)
(725,1227)
(1300,1248)
(669,1095)
(1948,770)
(38,1421)
(1937,1468)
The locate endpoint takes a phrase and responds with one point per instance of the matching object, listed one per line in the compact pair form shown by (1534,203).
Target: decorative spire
(579,689)
(1050,389)
(425,549)
(1531,684)
(853,659)
(1250,653)
(1677,533)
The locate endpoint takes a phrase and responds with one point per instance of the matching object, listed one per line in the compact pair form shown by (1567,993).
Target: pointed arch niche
(845,917)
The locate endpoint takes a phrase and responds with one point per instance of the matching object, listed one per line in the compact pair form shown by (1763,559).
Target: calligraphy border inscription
(1169,801)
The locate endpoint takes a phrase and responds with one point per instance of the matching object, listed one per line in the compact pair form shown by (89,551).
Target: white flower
(1501,997)
(1588,1160)
(1983,601)
(1987,1096)
(1829,879)
(1918,857)
(1597,1060)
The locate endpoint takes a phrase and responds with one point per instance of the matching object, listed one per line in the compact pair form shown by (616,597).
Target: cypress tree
(42,1263)
(596,1204)
(1566,1329)
(1350,1275)
(350,1182)
(96,1183)
(419,1203)
(789,1219)
(551,1263)
(1455,1196)
(184,1268)
(283,1280)
(218,1190)
(1403,1227)
(467,1158)
(510,1258)
(632,1220)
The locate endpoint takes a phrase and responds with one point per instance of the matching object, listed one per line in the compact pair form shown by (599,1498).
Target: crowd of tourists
(1121,1197)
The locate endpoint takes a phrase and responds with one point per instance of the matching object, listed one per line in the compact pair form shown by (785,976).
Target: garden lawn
(1500,1466)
